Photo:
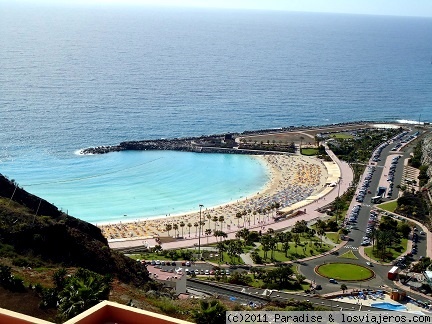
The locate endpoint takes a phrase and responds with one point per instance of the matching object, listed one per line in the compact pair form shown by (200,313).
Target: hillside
(37,231)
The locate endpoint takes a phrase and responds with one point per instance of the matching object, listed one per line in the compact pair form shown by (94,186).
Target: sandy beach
(293,178)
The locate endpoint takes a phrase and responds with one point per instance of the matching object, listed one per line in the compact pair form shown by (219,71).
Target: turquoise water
(389,306)
(139,184)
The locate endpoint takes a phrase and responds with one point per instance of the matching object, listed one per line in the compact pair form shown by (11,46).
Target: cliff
(36,228)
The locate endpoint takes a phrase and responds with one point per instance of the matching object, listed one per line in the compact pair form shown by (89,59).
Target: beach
(293,178)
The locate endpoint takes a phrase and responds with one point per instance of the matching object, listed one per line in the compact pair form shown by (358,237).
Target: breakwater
(220,143)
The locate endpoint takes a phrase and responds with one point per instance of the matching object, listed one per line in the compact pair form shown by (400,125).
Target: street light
(338,202)
(199,235)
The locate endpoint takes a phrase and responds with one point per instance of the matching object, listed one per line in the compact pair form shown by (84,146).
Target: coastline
(292,179)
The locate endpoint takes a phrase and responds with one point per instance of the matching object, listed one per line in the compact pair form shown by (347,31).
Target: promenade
(340,170)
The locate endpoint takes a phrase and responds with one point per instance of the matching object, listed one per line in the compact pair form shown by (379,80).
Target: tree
(189,225)
(221,248)
(175,227)
(210,312)
(272,245)
(221,220)
(234,248)
(182,224)
(296,239)
(196,228)
(244,234)
(215,219)
(321,233)
(208,216)
(82,291)
(300,227)
(266,244)
(343,288)
(286,239)
(208,232)
(299,278)
(238,216)
(168,227)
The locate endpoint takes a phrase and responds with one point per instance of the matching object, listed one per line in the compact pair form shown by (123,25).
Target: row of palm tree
(221,219)
(175,226)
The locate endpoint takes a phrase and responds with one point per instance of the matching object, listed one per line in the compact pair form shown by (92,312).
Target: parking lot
(196,268)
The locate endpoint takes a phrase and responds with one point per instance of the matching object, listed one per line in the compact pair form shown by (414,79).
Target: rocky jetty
(191,144)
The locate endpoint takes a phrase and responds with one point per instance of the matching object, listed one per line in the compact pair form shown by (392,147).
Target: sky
(373,7)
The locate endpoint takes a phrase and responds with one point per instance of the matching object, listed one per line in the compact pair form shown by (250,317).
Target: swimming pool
(389,306)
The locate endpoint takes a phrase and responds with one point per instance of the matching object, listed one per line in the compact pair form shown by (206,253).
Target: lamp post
(338,202)
(199,235)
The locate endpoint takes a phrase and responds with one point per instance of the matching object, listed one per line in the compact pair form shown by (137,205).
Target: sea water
(78,76)
(125,186)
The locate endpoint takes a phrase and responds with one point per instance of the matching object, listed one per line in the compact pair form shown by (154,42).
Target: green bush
(25,262)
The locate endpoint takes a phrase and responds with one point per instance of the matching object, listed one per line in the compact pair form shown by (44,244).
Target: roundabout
(344,271)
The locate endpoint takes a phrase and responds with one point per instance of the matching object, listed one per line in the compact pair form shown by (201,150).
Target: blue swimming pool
(389,306)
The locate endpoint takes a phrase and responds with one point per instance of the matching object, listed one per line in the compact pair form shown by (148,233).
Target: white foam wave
(80,152)
(406,121)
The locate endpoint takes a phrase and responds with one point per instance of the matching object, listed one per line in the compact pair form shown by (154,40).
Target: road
(356,235)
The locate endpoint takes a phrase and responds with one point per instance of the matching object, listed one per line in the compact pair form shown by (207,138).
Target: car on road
(333,281)
(369,264)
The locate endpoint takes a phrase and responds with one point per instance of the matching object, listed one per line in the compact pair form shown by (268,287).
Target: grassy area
(226,259)
(392,253)
(334,237)
(348,255)
(303,250)
(309,151)
(341,136)
(345,271)
(389,206)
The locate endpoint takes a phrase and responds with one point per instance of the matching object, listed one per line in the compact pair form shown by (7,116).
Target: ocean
(73,77)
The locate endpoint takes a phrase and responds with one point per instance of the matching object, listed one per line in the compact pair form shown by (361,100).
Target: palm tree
(265,244)
(209,219)
(215,220)
(208,232)
(202,227)
(175,227)
(321,233)
(221,220)
(168,227)
(301,142)
(210,312)
(221,248)
(189,225)
(196,228)
(182,224)
(82,291)
(273,246)
(238,216)
(296,239)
